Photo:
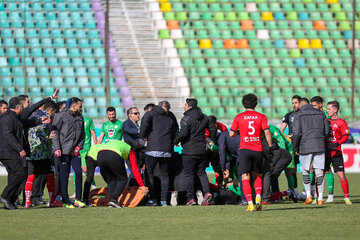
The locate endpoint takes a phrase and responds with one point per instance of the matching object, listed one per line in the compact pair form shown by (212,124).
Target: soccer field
(286,220)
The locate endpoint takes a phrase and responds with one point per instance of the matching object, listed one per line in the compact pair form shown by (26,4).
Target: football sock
(74,177)
(320,183)
(291,182)
(345,187)
(306,181)
(28,188)
(330,182)
(258,185)
(50,184)
(247,190)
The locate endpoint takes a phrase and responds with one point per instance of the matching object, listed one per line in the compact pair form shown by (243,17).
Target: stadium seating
(272,48)
(53,44)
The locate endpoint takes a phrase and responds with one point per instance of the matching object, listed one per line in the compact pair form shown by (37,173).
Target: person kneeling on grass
(112,168)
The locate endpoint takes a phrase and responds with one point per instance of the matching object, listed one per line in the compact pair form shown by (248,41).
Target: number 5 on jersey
(251,128)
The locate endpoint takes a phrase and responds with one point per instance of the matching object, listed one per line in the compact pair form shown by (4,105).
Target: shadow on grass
(294,208)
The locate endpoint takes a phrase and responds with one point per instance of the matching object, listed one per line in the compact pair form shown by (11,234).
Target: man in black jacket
(310,129)
(12,150)
(192,139)
(159,127)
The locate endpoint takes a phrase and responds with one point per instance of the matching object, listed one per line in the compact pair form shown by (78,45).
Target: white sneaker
(330,198)
(173,199)
(200,197)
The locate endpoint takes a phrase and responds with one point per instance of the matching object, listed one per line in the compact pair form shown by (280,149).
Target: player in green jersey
(112,129)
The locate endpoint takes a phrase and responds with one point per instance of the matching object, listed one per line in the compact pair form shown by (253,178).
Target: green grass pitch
(286,220)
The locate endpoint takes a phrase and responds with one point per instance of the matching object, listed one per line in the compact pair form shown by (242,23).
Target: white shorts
(317,159)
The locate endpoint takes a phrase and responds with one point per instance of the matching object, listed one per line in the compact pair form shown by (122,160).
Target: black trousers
(90,165)
(113,171)
(150,163)
(41,169)
(57,176)
(16,177)
(272,170)
(64,167)
(38,187)
(195,165)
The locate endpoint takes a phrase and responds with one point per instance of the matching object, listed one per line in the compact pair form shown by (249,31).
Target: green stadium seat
(233,53)
(189,33)
(191,43)
(214,33)
(207,16)
(226,34)
(209,53)
(346,82)
(199,62)
(345,53)
(243,16)
(215,102)
(171,16)
(329,72)
(194,16)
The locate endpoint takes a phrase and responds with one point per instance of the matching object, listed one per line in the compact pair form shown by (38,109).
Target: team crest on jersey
(111,133)
(347,131)
(116,126)
(275,134)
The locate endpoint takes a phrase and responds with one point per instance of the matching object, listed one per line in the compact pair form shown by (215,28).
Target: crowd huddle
(41,142)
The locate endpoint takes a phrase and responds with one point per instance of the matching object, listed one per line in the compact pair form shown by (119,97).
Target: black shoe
(7,204)
(114,204)
(38,202)
(17,203)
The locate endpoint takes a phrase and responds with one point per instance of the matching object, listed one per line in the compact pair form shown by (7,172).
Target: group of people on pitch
(36,139)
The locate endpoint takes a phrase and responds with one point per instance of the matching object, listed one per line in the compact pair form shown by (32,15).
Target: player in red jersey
(339,134)
(251,124)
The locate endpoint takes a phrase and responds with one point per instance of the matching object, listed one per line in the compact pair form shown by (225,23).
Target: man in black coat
(12,150)
(192,139)
(159,127)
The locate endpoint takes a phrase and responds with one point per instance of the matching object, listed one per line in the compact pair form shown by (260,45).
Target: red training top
(135,169)
(250,124)
(339,132)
